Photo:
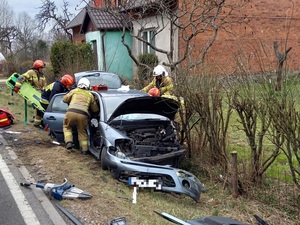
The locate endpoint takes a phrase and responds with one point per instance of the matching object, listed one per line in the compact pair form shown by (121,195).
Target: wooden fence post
(234,174)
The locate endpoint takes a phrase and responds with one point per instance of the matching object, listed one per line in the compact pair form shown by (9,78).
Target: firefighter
(36,78)
(161,80)
(81,102)
(60,86)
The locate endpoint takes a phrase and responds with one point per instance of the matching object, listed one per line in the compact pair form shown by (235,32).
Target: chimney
(97,3)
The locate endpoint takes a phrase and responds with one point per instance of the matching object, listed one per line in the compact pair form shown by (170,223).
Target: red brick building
(247,42)
(251,43)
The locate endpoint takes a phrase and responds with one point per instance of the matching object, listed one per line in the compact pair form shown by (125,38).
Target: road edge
(48,207)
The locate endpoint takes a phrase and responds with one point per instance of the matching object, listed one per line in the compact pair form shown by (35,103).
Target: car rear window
(113,81)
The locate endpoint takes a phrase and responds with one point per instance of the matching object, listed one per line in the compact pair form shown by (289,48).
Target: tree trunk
(281,57)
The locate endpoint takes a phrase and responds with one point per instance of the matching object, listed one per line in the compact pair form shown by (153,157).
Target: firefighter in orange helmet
(161,80)
(60,86)
(81,102)
(36,78)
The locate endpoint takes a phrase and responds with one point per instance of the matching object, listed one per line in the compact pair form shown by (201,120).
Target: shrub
(148,61)
(69,58)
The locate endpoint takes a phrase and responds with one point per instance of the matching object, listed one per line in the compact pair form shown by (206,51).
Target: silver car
(133,136)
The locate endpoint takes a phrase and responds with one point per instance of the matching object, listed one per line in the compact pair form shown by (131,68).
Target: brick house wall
(77,36)
(265,21)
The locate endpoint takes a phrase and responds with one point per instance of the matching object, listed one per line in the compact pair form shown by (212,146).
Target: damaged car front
(142,142)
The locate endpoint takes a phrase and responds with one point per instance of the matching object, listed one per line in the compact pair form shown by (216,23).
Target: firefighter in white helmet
(161,80)
(81,102)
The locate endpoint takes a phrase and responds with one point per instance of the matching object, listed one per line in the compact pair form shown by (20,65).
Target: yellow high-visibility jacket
(36,79)
(81,101)
(165,86)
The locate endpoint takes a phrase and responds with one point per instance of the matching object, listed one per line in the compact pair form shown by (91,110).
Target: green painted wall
(116,55)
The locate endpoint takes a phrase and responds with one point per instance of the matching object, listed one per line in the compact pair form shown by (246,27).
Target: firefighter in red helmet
(60,86)
(36,78)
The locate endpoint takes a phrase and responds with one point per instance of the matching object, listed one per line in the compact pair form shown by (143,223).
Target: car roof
(91,72)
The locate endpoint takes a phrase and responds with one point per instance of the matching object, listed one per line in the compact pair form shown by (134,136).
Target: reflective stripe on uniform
(37,121)
(67,134)
(44,101)
(83,145)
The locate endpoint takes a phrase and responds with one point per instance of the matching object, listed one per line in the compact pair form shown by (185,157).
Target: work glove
(17,87)
(21,79)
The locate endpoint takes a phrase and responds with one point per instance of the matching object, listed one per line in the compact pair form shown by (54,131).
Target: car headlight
(123,148)
(181,174)
(120,154)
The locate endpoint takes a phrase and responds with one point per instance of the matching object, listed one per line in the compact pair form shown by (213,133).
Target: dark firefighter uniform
(50,90)
(81,102)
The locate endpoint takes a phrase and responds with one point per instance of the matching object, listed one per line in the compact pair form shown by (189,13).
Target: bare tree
(7,28)
(173,20)
(49,13)
(251,101)
(286,119)
(26,36)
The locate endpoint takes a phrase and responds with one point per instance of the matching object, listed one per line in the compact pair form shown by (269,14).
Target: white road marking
(23,205)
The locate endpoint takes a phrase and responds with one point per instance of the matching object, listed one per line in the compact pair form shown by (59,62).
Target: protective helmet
(38,64)
(160,71)
(67,80)
(154,92)
(84,83)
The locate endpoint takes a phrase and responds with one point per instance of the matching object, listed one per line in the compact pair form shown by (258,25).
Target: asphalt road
(20,205)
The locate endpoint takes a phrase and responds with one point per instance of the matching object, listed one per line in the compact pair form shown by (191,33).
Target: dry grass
(51,163)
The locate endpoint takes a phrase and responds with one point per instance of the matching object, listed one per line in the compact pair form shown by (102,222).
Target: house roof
(136,4)
(105,20)
(78,19)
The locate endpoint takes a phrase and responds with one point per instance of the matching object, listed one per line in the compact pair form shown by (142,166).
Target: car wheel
(103,163)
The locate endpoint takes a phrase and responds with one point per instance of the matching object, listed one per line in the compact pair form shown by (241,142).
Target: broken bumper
(171,179)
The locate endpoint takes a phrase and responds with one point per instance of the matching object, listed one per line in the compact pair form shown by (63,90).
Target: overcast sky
(32,6)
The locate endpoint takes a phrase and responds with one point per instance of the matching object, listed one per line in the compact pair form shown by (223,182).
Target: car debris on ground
(61,191)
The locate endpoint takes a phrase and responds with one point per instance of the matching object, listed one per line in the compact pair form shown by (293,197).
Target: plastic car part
(118,221)
(103,163)
(209,220)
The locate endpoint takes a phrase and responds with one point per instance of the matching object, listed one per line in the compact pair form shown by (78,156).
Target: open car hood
(147,104)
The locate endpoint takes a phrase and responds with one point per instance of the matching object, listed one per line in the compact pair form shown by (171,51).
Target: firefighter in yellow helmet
(36,78)
(161,80)
(81,102)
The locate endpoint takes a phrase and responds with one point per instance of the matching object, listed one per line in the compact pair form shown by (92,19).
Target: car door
(54,117)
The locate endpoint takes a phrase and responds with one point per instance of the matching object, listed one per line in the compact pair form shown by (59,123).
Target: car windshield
(112,102)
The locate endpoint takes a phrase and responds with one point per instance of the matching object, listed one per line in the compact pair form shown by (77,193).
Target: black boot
(84,152)
(69,145)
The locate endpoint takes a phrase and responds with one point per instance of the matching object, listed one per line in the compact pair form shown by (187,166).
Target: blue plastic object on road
(61,191)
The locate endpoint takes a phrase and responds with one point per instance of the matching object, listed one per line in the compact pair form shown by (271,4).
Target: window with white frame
(149,37)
